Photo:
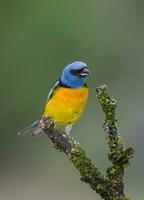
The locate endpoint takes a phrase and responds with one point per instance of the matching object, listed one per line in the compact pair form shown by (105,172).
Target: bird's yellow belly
(66,105)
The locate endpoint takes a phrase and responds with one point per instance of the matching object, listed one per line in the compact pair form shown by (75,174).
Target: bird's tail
(33,130)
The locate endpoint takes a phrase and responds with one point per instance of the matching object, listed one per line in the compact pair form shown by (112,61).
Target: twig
(119,156)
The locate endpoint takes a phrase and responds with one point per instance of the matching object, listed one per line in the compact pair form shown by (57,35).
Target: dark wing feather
(51,92)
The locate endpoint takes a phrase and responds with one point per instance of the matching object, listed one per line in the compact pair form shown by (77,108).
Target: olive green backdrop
(39,38)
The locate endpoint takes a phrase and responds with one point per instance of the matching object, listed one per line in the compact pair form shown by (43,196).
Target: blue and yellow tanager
(66,99)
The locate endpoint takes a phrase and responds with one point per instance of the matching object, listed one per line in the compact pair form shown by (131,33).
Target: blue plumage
(75,74)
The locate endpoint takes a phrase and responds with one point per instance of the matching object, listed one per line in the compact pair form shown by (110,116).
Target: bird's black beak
(85,72)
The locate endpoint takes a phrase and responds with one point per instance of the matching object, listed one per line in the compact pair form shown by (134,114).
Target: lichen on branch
(111,186)
(88,171)
(118,155)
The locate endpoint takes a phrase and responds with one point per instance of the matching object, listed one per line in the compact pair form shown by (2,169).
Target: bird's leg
(68,129)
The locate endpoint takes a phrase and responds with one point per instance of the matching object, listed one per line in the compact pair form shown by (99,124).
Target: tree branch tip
(101,88)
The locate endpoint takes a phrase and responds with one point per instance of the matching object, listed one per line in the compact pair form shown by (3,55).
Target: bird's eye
(76,72)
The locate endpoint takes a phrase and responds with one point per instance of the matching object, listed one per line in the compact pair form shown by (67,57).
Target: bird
(66,99)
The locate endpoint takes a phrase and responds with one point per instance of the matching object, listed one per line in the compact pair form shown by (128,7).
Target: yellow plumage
(67,104)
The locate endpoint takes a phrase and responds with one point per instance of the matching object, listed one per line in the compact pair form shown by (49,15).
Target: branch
(89,172)
(109,187)
(119,156)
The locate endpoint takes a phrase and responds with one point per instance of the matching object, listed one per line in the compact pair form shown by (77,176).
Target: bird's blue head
(75,74)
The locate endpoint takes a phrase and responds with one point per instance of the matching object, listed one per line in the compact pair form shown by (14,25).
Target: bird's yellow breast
(67,104)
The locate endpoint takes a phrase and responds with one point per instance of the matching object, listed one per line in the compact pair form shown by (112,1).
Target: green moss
(110,187)
(117,155)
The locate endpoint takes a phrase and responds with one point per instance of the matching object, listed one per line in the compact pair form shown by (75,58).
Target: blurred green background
(39,38)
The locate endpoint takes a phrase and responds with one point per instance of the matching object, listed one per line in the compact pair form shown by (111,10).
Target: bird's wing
(55,86)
